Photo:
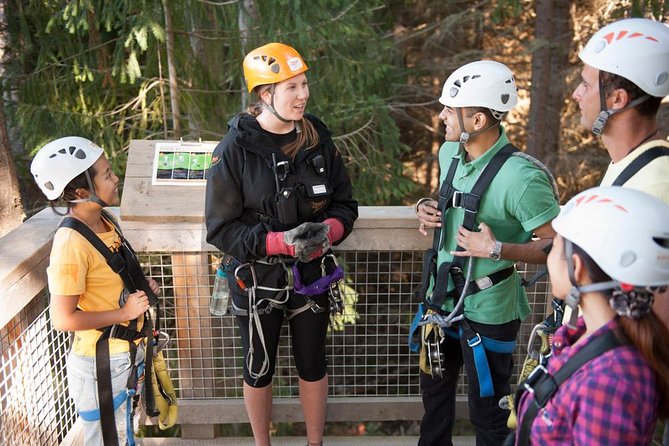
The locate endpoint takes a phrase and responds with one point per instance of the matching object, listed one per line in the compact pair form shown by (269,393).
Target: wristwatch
(496,252)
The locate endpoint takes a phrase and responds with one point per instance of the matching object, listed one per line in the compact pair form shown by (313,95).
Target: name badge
(318,189)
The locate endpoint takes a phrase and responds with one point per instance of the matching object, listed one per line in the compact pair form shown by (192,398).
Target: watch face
(494,255)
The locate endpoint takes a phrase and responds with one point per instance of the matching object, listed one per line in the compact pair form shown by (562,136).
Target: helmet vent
(453,92)
(63,151)
(505,98)
(79,154)
(457,83)
(627,259)
(53,155)
(49,185)
(663,242)
(476,76)
(466,78)
(661,78)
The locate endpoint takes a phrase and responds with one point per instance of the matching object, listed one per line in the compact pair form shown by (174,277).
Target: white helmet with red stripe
(636,49)
(625,231)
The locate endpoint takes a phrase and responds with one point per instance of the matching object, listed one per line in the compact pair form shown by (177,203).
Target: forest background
(113,71)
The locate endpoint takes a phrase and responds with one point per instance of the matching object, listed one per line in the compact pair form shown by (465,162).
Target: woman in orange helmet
(278,196)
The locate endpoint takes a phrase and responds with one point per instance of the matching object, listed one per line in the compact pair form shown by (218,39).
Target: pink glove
(306,242)
(336,230)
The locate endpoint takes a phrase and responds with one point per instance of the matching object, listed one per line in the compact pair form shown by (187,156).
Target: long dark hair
(307,137)
(647,334)
(70,191)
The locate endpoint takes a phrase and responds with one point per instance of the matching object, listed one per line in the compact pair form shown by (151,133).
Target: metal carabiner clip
(240,282)
(335,293)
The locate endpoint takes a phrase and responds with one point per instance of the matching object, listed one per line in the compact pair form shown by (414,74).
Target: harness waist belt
(485,282)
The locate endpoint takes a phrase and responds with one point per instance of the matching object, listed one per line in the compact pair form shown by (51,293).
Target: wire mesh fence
(34,405)
(367,346)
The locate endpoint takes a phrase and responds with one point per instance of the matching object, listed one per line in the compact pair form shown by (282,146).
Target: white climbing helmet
(625,231)
(62,160)
(484,83)
(636,49)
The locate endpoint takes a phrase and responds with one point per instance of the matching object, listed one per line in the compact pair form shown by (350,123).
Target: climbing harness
(535,357)
(123,262)
(328,283)
(639,163)
(543,386)
(430,312)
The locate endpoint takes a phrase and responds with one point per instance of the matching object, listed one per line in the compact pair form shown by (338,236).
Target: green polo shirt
(518,200)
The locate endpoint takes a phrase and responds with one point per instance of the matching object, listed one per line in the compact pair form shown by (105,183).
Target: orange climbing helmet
(272,63)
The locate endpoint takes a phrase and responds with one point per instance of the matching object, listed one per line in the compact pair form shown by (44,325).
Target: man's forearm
(530,252)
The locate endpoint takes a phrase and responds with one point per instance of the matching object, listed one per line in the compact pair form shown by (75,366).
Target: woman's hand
(136,305)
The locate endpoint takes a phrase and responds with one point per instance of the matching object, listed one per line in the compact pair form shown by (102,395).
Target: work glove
(336,231)
(163,391)
(306,242)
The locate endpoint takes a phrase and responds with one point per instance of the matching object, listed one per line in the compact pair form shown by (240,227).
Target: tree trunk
(246,17)
(550,59)
(11,209)
(171,70)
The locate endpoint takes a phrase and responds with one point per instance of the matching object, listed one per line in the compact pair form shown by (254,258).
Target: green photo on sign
(182,163)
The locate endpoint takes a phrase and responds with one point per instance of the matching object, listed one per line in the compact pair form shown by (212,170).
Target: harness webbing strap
(470,201)
(544,385)
(639,163)
(104,386)
(320,286)
(479,344)
(94,415)
(133,279)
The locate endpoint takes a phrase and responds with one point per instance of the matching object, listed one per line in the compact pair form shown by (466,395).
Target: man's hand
(475,244)
(428,216)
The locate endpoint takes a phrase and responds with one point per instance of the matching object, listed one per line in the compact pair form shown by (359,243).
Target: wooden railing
(373,376)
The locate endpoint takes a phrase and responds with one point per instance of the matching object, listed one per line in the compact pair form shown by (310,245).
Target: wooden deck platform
(300,441)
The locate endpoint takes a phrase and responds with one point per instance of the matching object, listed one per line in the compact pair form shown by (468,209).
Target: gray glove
(306,242)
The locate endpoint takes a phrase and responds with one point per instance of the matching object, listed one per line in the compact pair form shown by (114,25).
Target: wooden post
(194,334)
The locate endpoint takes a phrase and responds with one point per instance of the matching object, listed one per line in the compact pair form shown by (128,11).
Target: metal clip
(434,355)
(334,292)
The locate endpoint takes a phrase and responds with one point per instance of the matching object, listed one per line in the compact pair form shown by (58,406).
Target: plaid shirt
(611,400)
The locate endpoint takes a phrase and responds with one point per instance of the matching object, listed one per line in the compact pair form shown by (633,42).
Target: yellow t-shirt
(653,178)
(77,268)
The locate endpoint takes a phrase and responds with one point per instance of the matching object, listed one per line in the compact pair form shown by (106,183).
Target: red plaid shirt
(611,400)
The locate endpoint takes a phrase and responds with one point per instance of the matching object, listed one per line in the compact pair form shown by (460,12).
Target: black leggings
(307,329)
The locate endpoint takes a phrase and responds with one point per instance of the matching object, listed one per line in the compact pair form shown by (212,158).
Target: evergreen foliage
(98,69)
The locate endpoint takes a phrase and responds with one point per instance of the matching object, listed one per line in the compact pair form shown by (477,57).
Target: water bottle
(218,304)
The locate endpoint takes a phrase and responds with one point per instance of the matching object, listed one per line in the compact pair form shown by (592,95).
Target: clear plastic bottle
(218,304)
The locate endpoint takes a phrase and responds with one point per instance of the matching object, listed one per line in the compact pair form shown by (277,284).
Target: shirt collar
(565,338)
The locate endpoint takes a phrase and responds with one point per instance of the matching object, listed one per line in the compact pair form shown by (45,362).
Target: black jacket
(242,204)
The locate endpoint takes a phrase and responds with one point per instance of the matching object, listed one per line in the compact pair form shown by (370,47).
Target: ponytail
(648,335)
(641,333)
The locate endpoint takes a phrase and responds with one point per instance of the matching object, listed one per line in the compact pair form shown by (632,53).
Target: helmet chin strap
(604,113)
(465,135)
(271,108)
(573,298)
(93,197)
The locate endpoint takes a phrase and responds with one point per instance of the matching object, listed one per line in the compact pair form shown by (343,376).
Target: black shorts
(308,332)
